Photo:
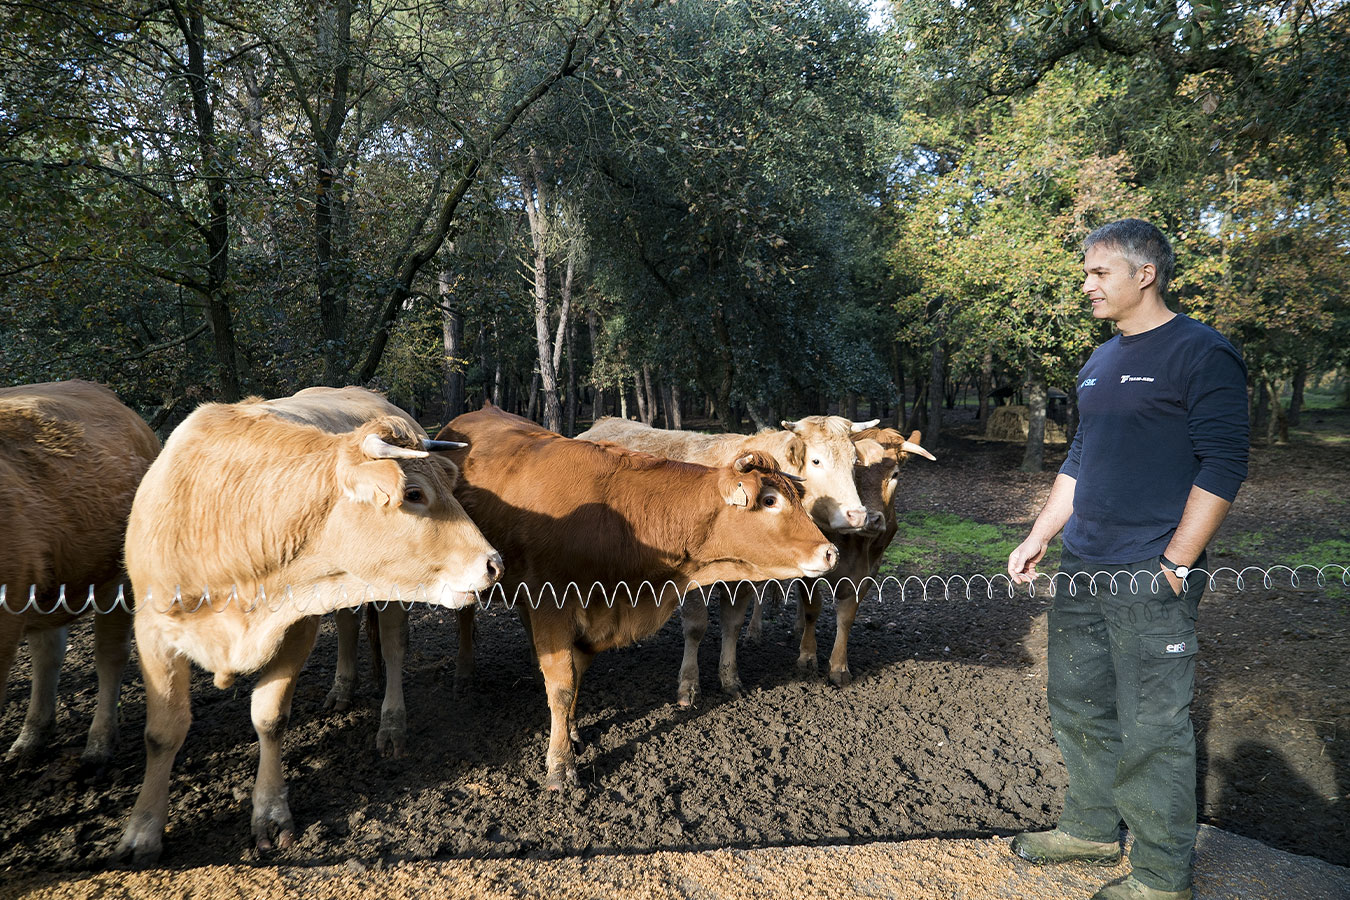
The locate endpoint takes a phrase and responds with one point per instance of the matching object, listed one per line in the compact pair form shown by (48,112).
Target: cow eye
(414,495)
(770,500)
(815,462)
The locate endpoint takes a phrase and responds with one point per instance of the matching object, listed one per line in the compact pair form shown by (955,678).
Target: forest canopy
(734,210)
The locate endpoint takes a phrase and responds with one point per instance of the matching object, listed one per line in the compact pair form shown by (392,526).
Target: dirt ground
(943,734)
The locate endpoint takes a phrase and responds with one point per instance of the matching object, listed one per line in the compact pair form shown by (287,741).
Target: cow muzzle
(822,561)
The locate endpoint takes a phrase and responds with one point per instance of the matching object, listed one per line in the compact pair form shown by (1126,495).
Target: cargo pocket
(1166,677)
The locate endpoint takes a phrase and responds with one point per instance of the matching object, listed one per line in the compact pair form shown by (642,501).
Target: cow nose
(831,556)
(875,521)
(857,517)
(495,568)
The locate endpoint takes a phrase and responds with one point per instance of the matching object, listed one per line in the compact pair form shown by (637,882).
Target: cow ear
(379,482)
(450,469)
(739,496)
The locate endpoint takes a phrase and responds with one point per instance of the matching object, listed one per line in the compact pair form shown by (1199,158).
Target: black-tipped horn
(431,445)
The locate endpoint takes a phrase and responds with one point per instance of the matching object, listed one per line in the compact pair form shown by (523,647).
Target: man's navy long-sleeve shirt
(1159,412)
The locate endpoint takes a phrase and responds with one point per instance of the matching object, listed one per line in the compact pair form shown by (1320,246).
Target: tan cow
(71,456)
(883,452)
(340,410)
(247,528)
(602,542)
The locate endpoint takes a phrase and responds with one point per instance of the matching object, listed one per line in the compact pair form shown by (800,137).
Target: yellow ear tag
(740,497)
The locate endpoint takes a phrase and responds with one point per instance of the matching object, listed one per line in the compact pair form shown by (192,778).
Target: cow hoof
(561,779)
(732,689)
(339,699)
(807,665)
(688,695)
(285,841)
(841,678)
(391,739)
(27,748)
(141,845)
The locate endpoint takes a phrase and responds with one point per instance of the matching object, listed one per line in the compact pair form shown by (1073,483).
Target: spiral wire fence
(917,588)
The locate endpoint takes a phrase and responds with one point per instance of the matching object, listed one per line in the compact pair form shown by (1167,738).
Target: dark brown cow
(71,456)
(579,524)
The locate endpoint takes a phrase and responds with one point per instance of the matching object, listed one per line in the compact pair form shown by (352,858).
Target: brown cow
(247,528)
(604,541)
(859,554)
(71,456)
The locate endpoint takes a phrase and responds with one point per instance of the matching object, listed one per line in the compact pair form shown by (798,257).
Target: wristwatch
(1179,571)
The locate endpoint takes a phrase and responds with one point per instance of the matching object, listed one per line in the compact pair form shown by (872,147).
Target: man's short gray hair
(1141,243)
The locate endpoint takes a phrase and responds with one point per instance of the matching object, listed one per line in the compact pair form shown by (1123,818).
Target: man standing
(1159,454)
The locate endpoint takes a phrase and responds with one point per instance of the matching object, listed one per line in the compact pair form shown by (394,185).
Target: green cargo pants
(1121,677)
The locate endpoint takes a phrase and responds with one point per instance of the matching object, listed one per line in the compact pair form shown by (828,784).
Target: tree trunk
(986,384)
(571,379)
(217,231)
(535,193)
(1296,401)
(598,407)
(676,418)
(649,386)
(935,392)
(333,48)
(1261,400)
(1277,423)
(1033,460)
(452,336)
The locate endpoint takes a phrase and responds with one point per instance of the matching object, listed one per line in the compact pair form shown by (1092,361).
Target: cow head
(398,522)
(820,450)
(881,453)
(763,531)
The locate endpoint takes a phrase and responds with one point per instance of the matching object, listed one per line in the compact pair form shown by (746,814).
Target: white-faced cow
(581,523)
(250,525)
(71,456)
(883,451)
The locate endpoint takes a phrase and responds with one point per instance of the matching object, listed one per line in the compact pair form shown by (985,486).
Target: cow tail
(373,636)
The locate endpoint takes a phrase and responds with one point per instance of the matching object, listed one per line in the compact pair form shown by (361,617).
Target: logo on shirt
(1177,648)
(1087,382)
(1125,378)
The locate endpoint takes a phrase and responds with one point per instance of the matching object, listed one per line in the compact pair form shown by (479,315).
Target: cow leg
(348,622)
(799,623)
(808,611)
(11,632)
(112,648)
(845,611)
(733,608)
(694,619)
(271,710)
(168,712)
(464,660)
(556,662)
(393,731)
(47,649)
(755,632)
(581,661)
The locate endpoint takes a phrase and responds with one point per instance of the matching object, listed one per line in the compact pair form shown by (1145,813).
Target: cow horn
(915,448)
(433,446)
(796,479)
(377,448)
(863,426)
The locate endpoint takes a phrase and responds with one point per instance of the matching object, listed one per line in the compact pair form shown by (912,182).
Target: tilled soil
(944,732)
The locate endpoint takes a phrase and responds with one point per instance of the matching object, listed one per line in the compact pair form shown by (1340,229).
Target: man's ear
(1147,274)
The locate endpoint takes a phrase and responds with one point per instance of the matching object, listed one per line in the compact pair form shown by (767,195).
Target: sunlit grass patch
(937,543)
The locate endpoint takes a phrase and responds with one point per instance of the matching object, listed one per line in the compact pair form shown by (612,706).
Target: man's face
(1115,292)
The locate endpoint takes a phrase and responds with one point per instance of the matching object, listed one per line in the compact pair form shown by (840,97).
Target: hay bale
(1010,423)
